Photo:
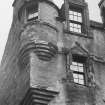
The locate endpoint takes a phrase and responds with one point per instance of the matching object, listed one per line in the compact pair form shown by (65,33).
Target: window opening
(75,19)
(78,67)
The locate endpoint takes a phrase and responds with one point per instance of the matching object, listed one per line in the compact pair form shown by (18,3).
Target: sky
(6,12)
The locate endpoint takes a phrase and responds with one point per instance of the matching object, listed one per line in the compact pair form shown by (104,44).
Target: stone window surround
(85,20)
(80,63)
(75,24)
(84,73)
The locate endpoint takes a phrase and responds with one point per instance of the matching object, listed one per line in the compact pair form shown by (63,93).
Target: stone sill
(78,34)
(68,82)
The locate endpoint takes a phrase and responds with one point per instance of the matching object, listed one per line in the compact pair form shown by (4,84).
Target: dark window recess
(32,12)
(75,21)
(78,67)
(103,15)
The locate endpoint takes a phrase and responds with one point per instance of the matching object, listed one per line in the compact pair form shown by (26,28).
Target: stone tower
(33,55)
(53,55)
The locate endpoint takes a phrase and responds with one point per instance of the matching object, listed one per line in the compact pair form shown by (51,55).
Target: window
(32,12)
(78,67)
(75,21)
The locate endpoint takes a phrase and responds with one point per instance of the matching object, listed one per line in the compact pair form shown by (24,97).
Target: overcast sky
(6,18)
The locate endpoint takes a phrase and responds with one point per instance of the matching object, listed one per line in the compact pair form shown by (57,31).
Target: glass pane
(75,76)
(74,63)
(79,30)
(74,68)
(71,17)
(75,18)
(81,82)
(74,29)
(80,68)
(71,24)
(80,64)
(79,26)
(79,19)
(71,12)
(75,13)
(30,16)
(81,77)
(76,80)
(75,25)
(71,29)
(79,14)
(35,14)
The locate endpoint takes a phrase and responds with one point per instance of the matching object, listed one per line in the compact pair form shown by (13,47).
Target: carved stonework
(24,58)
(38,96)
(46,51)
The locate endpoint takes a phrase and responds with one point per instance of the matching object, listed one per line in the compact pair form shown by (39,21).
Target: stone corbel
(44,51)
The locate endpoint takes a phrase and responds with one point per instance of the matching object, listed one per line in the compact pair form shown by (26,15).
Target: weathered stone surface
(16,80)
